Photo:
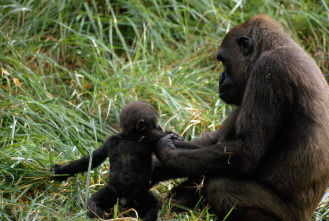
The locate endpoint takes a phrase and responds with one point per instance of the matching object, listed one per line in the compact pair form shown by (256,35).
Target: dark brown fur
(130,164)
(270,158)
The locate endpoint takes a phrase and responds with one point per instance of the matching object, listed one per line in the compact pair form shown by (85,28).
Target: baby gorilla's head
(138,116)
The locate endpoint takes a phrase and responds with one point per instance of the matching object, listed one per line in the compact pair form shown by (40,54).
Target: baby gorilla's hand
(58,169)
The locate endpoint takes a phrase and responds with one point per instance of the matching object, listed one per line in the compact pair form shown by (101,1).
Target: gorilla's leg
(188,193)
(101,200)
(250,199)
(147,205)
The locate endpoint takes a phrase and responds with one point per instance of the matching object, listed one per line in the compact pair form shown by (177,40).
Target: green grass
(68,67)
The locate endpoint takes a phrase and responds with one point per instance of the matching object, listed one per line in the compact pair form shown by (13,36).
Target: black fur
(130,164)
(269,160)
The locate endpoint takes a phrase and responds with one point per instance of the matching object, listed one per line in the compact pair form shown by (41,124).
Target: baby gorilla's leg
(147,205)
(101,200)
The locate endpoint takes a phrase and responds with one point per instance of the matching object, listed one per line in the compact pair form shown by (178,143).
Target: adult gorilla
(270,158)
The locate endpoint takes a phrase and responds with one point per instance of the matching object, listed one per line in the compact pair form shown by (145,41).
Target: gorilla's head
(138,116)
(239,51)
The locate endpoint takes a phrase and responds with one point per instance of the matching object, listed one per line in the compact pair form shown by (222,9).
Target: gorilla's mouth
(224,89)
(222,77)
(224,83)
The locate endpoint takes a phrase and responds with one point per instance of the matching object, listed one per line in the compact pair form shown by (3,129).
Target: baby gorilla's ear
(140,125)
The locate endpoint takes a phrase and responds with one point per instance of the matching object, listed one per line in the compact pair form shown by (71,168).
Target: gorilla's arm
(81,165)
(186,161)
(248,138)
(161,172)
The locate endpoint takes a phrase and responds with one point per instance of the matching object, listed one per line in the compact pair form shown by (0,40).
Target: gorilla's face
(229,91)
(234,53)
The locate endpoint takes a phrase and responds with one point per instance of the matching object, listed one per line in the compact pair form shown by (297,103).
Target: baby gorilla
(130,163)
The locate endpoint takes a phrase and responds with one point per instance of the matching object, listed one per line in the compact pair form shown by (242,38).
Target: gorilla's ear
(244,44)
(140,125)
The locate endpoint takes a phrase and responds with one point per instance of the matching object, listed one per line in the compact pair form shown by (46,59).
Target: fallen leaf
(87,86)
(16,81)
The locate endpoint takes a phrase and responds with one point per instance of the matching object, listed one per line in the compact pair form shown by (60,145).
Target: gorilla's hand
(167,141)
(165,144)
(178,137)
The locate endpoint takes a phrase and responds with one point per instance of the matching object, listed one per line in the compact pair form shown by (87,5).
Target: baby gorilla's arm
(81,165)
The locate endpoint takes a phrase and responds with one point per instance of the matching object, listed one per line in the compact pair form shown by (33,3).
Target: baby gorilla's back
(130,168)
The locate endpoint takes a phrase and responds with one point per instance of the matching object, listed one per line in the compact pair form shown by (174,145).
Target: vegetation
(68,67)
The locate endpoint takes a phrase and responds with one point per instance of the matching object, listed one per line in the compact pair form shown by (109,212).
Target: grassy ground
(68,67)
